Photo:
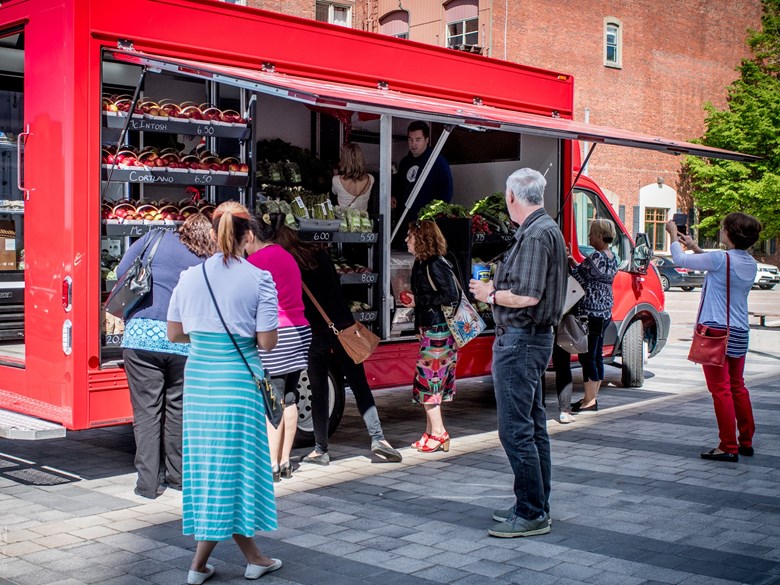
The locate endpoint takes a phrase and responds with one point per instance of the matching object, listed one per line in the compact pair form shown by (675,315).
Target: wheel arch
(655,323)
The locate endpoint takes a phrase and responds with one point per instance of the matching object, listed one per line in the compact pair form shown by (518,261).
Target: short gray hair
(527,185)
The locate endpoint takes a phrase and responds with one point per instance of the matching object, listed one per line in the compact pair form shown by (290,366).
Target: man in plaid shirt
(527,297)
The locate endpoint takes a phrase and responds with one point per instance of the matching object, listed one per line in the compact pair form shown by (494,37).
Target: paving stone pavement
(632,502)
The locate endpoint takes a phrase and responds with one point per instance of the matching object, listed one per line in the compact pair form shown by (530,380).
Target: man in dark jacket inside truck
(438,184)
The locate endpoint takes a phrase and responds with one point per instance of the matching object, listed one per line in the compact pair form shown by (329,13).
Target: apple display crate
(156,178)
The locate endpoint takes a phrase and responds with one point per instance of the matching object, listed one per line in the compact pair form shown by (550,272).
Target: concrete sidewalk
(632,501)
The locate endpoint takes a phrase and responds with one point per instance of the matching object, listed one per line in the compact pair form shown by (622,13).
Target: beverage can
(480,272)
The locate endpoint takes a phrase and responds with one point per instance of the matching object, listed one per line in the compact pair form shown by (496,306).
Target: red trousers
(731,399)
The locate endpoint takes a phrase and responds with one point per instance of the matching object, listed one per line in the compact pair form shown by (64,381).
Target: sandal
(421,441)
(443,443)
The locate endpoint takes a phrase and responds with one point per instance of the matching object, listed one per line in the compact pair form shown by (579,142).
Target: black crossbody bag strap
(219,313)
(153,251)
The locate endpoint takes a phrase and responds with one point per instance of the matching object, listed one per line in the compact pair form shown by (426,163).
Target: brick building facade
(638,64)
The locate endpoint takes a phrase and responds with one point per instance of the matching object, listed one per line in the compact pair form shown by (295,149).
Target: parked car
(767,276)
(673,275)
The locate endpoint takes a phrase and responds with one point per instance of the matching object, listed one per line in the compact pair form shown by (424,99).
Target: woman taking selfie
(722,309)
(433,285)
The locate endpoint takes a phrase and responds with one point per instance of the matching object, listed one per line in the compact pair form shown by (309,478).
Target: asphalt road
(682,307)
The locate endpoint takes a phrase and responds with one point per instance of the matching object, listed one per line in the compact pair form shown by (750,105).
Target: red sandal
(443,444)
(421,441)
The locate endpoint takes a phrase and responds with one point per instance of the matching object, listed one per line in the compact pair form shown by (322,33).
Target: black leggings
(324,348)
(593,361)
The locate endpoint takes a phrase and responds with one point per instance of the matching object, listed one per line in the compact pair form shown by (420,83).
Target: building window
(655,226)
(613,43)
(462,17)
(334,13)
(463,32)
(395,24)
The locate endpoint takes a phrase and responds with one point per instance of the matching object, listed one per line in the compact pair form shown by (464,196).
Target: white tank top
(346,199)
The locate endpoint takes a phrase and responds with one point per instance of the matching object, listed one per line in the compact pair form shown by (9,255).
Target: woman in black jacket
(433,286)
(319,276)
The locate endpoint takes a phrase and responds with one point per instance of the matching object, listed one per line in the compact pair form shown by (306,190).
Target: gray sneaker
(517,526)
(505,514)
(386,451)
(317,459)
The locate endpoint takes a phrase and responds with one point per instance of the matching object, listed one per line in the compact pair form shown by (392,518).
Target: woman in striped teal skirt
(433,286)
(227,483)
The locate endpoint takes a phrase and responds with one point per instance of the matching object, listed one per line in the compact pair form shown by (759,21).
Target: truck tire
(632,372)
(305,435)
(766,286)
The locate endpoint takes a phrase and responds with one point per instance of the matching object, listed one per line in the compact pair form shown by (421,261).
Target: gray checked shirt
(534,266)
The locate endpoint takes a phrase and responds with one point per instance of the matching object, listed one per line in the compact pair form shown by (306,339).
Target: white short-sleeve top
(346,199)
(246,296)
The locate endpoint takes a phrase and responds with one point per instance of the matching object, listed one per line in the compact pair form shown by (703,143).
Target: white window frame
(611,22)
(236,2)
(463,34)
(331,10)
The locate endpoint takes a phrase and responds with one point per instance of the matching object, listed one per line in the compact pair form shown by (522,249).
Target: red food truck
(116,121)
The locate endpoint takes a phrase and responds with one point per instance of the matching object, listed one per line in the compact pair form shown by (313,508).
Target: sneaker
(517,526)
(381,449)
(565,418)
(317,459)
(505,514)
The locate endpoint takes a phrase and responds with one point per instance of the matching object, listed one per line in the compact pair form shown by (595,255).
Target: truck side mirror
(641,254)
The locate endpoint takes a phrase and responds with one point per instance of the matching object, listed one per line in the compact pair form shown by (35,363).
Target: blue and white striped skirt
(291,352)
(227,487)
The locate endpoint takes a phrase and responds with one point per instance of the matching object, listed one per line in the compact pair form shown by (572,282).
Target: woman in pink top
(289,358)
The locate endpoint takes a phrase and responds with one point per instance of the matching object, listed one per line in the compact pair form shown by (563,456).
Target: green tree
(750,124)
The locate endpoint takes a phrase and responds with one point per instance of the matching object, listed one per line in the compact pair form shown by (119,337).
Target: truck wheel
(766,286)
(687,288)
(305,435)
(665,283)
(632,373)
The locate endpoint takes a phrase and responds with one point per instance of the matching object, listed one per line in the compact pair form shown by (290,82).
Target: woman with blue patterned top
(154,365)
(595,273)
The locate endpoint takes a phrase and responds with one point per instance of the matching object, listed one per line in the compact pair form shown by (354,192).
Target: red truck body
(61,374)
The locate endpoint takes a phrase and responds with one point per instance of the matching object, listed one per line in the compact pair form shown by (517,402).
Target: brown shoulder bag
(357,340)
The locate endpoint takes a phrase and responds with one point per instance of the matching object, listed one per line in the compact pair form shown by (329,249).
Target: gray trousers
(156,382)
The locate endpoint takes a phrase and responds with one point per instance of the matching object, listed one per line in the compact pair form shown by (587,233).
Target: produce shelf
(165,177)
(345,237)
(359,278)
(112,340)
(133,231)
(356,238)
(177,126)
(492,238)
(365,316)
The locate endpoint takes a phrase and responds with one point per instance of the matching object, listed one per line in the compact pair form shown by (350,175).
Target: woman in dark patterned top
(595,274)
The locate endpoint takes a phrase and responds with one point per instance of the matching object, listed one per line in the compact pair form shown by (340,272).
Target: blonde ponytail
(232,221)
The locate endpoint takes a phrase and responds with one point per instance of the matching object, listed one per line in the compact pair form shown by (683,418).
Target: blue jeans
(520,358)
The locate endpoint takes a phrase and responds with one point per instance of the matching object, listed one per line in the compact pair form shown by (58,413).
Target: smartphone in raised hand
(681,221)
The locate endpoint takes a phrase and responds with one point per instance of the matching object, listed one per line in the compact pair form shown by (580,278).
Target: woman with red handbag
(724,308)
